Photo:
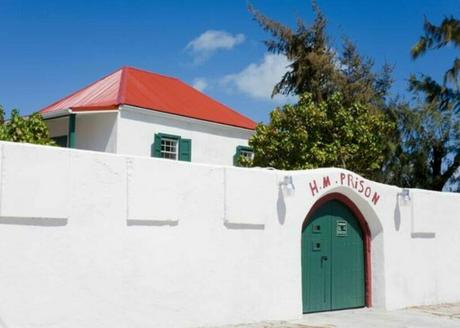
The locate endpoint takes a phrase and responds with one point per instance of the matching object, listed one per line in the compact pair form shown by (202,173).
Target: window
(172,147)
(242,152)
(246,154)
(169,148)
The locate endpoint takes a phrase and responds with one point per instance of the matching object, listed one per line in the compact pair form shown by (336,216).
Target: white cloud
(258,80)
(200,84)
(211,41)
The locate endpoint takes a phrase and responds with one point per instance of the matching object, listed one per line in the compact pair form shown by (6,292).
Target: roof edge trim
(55,113)
(95,108)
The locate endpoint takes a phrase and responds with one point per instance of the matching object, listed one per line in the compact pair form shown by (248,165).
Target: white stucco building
(136,112)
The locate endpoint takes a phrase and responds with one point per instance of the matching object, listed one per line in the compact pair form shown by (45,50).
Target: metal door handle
(323,258)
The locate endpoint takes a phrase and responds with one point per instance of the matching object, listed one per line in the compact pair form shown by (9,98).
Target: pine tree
(342,118)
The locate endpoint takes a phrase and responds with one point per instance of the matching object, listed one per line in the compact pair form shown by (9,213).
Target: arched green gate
(332,259)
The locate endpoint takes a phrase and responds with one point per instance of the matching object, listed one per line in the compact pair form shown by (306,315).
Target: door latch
(323,258)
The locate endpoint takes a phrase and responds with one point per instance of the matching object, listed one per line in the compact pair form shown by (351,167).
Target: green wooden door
(332,260)
(316,268)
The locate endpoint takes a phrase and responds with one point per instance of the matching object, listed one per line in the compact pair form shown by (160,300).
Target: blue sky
(51,48)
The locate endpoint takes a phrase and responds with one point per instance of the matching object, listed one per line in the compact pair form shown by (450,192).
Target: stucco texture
(92,239)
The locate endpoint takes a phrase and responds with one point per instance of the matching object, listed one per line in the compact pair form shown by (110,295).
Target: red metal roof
(132,86)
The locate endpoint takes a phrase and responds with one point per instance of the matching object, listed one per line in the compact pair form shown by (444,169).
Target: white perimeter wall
(211,143)
(99,240)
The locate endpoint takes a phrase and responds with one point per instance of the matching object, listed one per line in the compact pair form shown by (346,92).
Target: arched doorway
(335,256)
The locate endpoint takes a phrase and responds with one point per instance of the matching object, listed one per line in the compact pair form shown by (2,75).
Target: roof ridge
(150,72)
(122,86)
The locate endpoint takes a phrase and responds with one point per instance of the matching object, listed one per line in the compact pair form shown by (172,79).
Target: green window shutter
(185,150)
(156,146)
(236,157)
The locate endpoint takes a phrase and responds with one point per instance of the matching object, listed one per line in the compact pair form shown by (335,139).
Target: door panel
(332,260)
(317,280)
(347,258)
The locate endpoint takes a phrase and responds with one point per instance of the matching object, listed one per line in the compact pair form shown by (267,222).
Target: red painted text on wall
(344,179)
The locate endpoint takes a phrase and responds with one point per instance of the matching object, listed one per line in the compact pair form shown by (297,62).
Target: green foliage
(30,129)
(329,133)
(429,150)
(429,153)
(434,93)
(313,67)
(318,69)
(343,118)
(446,95)
(439,36)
